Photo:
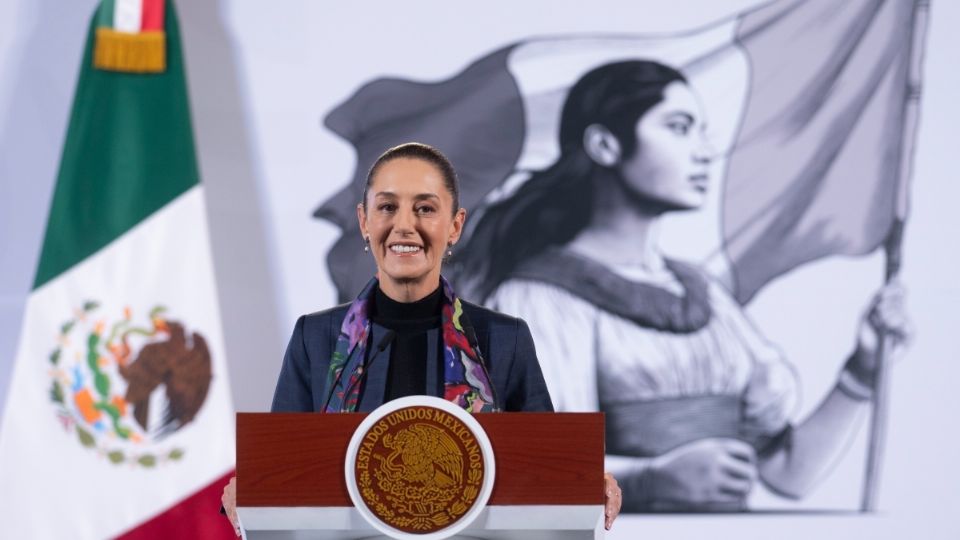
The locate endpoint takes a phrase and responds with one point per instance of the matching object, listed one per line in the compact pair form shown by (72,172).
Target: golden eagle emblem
(419,469)
(427,456)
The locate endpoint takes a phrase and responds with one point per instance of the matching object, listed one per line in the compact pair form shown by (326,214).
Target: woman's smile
(404,249)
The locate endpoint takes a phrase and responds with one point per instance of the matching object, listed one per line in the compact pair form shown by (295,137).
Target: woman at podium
(407,332)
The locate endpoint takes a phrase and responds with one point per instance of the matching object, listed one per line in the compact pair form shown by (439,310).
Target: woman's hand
(707,473)
(613,499)
(229,501)
(886,316)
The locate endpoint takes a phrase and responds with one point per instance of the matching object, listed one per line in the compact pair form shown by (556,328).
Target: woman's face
(670,166)
(410,221)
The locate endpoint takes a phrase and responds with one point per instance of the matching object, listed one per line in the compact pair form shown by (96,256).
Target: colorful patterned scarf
(465,381)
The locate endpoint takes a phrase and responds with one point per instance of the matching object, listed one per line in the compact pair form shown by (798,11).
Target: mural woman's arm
(816,443)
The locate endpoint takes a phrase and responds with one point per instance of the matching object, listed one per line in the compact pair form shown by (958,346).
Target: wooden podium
(548,482)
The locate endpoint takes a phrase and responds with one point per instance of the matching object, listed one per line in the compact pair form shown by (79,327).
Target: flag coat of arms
(119,418)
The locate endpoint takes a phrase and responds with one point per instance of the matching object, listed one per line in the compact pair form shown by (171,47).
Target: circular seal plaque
(419,467)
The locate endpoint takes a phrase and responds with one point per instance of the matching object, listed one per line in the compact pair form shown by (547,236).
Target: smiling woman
(412,219)
(408,333)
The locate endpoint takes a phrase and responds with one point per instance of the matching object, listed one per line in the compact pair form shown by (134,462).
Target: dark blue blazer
(504,341)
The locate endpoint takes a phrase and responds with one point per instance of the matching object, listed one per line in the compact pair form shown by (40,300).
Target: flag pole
(881,384)
(893,248)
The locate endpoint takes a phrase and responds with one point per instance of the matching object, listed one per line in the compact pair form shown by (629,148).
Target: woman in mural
(697,403)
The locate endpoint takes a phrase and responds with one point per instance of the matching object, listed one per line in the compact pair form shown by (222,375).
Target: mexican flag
(119,420)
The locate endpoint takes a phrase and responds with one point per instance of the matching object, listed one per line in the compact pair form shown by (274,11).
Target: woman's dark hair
(555,204)
(424,152)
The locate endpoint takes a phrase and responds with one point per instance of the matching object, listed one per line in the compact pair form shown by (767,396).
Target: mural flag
(818,168)
(498,119)
(806,98)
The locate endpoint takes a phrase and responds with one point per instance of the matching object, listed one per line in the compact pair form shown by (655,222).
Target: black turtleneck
(407,375)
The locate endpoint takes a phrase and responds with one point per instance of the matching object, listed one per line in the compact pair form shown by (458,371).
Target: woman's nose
(405,221)
(705,152)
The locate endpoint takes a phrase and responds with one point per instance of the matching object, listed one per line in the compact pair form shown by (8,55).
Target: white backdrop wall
(261,81)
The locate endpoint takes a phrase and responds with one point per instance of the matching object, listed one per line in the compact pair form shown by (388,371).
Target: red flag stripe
(197,516)
(152,15)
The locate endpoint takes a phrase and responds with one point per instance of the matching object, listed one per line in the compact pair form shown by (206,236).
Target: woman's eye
(680,128)
(387,207)
(425,210)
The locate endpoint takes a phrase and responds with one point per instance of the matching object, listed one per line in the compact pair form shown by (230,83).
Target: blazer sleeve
(528,391)
(294,392)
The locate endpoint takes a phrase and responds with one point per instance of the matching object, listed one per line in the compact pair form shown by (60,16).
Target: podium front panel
(296,459)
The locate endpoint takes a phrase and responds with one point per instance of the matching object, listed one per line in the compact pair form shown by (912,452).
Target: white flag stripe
(164,260)
(127,15)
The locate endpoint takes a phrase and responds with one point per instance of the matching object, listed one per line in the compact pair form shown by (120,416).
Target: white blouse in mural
(592,359)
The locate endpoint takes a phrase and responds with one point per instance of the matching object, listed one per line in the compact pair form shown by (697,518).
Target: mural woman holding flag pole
(698,404)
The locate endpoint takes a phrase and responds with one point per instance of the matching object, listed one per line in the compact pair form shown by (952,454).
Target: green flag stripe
(104,15)
(128,152)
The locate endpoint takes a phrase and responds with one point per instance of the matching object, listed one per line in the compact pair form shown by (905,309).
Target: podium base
(526,522)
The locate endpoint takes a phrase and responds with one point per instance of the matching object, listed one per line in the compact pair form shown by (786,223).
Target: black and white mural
(572,150)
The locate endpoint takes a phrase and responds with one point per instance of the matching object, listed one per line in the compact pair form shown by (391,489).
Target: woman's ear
(602,147)
(458,220)
(362,219)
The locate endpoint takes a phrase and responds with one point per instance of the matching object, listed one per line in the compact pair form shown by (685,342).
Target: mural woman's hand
(886,316)
(706,473)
